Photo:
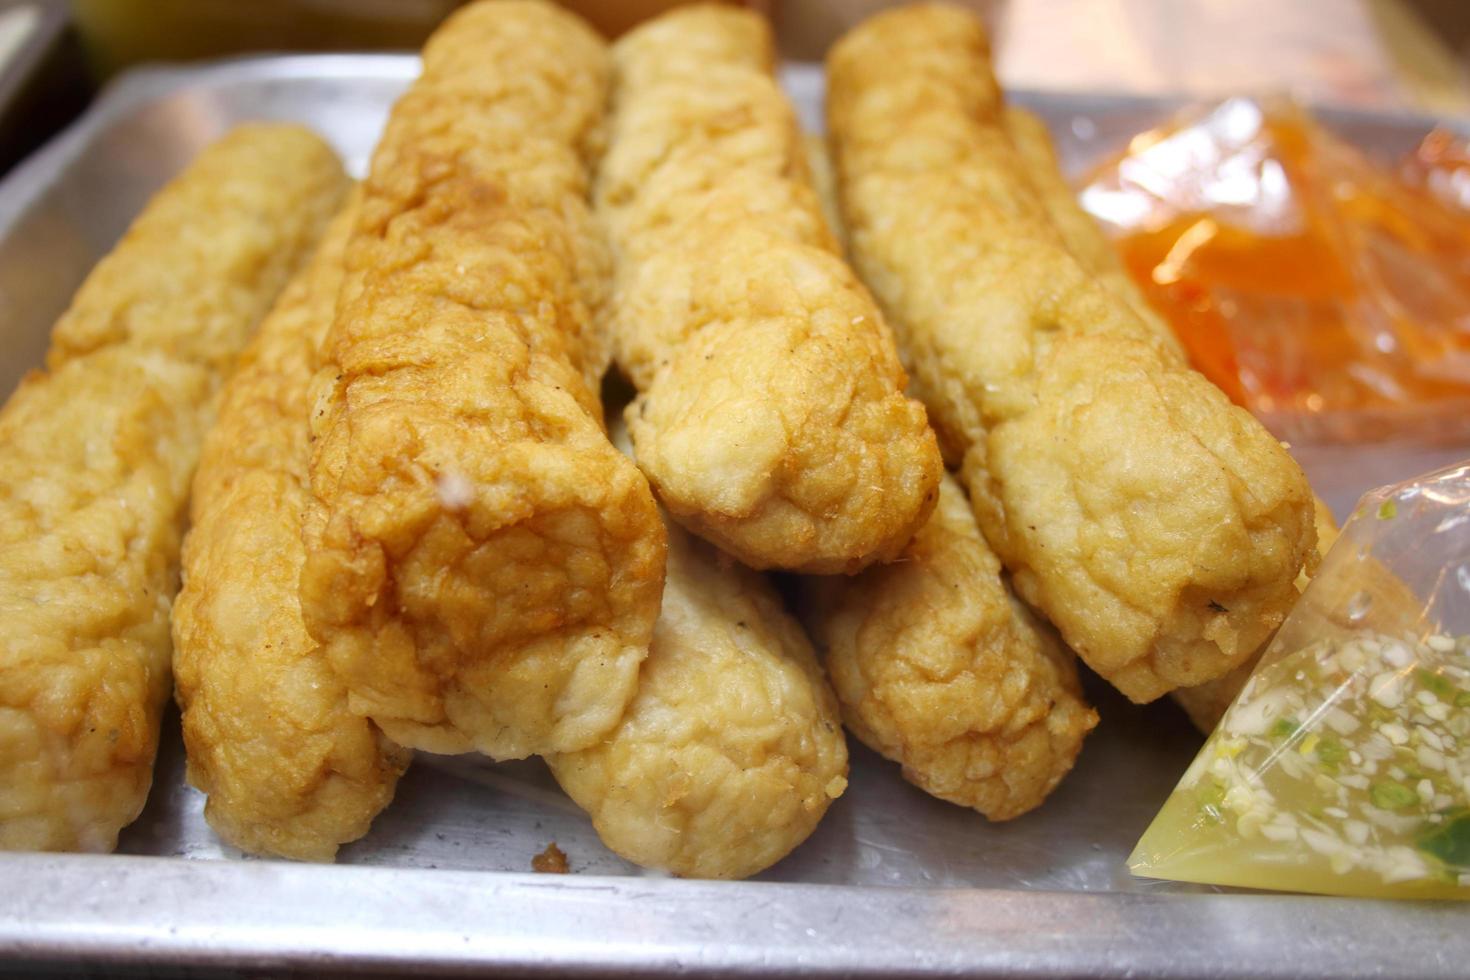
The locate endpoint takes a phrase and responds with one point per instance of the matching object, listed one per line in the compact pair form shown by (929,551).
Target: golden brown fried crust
(288,770)
(1206,703)
(733,749)
(1078,230)
(96,454)
(771,419)
(939,668)
(1158,526)
(483,568)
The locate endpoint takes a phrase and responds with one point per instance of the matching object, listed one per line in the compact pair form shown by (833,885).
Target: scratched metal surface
(915,885)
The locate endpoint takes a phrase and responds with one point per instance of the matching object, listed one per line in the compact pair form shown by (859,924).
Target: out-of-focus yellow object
(119,33)
(1327,294)
(616,17)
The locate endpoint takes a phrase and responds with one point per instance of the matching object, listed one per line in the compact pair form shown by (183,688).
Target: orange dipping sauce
(1328,295)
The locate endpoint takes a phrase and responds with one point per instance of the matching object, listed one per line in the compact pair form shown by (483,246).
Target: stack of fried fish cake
(96,455)
(732,750)
(771,418)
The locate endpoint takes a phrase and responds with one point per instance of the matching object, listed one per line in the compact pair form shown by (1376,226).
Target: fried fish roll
(733,749)
(1079,232)
(1206,703)
(287,769)
(771,418)
(937,665)
(483,568)
(1159,527)
(940,668)
(96,454)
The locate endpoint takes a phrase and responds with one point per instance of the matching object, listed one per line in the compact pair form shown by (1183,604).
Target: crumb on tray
(551,861)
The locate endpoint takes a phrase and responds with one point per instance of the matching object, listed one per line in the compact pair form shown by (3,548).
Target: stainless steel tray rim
(156,910)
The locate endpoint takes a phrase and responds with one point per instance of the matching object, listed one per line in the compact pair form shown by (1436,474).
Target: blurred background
(1374,53)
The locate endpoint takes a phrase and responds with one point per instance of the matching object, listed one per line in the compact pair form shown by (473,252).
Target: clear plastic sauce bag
(1324,291)
(1344,765)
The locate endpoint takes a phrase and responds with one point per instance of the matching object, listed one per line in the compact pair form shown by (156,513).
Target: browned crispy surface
(733,749)
(1206,703)
(939,668)
(771,418)
(1079,232)
(483,568)
(287,768)
(96,454)
(936,664)
(1158,526)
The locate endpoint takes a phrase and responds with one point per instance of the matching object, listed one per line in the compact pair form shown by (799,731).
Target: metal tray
(893,882)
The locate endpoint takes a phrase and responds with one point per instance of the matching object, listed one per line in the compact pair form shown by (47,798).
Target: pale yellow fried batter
(1158,526)
(824,181)
(733,749)
(96,454)
(287,768)
(483,568)
(1206,703)
(772,418)
(940,668)
(1079,232)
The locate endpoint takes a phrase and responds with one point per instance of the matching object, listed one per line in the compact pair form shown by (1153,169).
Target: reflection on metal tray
(892,881)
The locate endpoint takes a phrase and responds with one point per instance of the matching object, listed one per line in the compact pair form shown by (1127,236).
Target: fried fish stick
(771,418)
(96,454)
(1206,703)
(1156,525)
(483,568)
(733,749)
(936,664)
(287,769)
(940,668)
(1079,232)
